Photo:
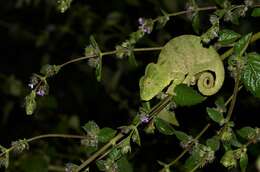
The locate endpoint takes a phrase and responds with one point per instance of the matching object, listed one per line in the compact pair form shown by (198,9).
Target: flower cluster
(145,25)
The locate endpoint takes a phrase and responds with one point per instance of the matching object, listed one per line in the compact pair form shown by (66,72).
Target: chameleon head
(150,84)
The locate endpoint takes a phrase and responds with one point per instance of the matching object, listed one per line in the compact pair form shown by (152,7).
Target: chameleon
(183,60)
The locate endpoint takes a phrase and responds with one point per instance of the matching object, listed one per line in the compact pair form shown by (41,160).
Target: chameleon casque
(183,60)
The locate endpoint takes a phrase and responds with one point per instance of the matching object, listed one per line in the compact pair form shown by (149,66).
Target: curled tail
(208,84)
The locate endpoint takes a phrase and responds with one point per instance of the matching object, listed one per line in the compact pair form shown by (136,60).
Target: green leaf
(227,36)
(196,23)
(132,60)
(115,154)
(63,5)
(124,165)
(105,134)
(251,74)
(101,164)
(213,143)
(220,103)
(247,133)
(164,127)
(30,103)
(162,20)
(98,53)
(91,128)
(243,162)
(186,96)
(136,137)
(256,12)
(228,160)
(191,162)
(182,136)
(216,116)
(168,116)
(50,70)
(242,44)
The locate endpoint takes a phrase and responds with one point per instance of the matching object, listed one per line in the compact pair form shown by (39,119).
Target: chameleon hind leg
(178,79)
(190,79)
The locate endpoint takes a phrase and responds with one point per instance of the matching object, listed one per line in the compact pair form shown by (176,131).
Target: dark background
(34,33)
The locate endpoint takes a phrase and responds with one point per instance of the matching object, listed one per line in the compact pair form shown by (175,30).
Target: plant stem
(188,148)
(46,136)
(255,37)
(100,151)
(234,97)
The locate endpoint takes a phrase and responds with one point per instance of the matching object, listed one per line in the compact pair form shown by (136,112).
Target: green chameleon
(183,60)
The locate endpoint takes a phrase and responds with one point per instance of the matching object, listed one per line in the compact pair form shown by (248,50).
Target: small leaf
(256,12)
(169,117)
(190,163)
(164,127)
(115,154)
(101,164)
(247,133)
(162,20)
(251,74)
(216,116)
(91,128)
(30,103)
(132,60)
(213,143)
(63,5)
(50,70)
(186,96)
(136,137)
(220,103)
(227,36)
(124,165)
(105,134)
(242,44)
(243,161)
(228,160)
(182,136)
(196,23)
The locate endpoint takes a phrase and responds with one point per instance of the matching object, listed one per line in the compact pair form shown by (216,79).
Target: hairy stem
(188,148)
(100,151)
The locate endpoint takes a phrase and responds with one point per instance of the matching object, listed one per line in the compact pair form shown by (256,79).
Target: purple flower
(144,118)
(40,92)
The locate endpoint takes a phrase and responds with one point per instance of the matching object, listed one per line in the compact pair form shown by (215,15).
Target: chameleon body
(183,60)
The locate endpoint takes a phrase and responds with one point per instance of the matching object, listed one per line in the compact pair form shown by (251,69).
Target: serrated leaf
(30,103)
(251,74)
(196,23)
(168,116)
(220,103)
(213,143)
(256,12)
(91,128)
(190,163)
(98,53)
(101,164)
(242,44)
(164,127)
(186,96)
(105,134)
(182,136)
(115,154)
(247,132)
(227,36)
(216,116)
(243,162)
